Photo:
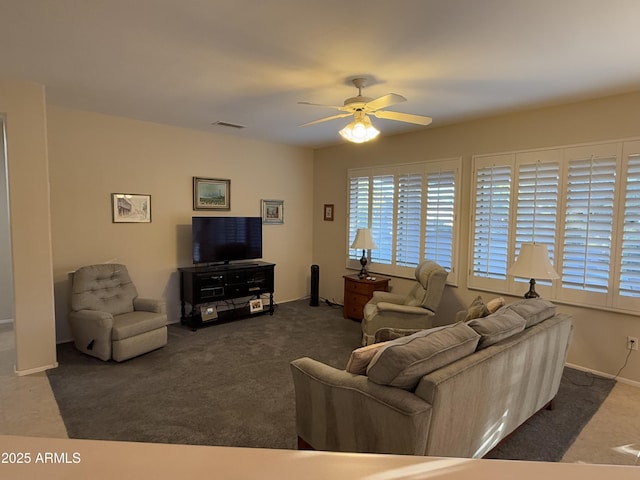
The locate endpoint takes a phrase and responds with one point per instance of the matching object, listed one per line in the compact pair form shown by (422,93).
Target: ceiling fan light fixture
(360,130)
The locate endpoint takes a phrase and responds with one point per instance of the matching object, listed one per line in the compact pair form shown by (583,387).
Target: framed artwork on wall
(272,211)
(211,193)
(328,212)
(130,208)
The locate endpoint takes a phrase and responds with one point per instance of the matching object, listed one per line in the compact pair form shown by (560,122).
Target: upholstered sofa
(456,390)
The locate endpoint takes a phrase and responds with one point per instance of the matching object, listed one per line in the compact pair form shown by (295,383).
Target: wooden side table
(358,291)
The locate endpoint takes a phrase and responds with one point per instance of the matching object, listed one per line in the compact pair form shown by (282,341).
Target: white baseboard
(31,371)
(626,381)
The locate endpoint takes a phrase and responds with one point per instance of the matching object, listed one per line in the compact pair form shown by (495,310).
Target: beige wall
(24,108)
(599,338)
(93,155)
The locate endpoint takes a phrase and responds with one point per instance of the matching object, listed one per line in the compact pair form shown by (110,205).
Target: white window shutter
(537,201)
(491,222)
(358,210)
(409,215)
(629,259)
(588,224)
(630,265)
(440,218)
(382,218)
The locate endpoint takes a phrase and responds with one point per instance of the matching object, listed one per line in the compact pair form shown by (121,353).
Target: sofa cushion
(497,326)
(404,361)
(533,310)
(360,358)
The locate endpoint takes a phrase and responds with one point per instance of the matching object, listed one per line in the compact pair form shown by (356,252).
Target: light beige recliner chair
(414,311)
(108,320)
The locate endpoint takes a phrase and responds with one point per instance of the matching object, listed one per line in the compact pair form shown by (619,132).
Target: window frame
(397,170)
(620,150)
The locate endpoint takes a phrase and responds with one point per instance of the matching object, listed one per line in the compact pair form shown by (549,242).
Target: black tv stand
(226,265)
(216,285)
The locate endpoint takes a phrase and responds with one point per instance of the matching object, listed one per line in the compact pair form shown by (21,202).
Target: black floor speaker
(315,285)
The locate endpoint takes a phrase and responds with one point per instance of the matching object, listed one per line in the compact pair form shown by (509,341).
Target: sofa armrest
(408,309)
(340,411)
(91,330)
(149,305)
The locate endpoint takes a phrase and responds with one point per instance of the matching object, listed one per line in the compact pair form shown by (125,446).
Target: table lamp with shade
(533,262)
(365,242)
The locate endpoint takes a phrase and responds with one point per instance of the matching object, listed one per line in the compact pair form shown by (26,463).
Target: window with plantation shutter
(582,202)
(382,216)
(411,211)
(630,265)
(409,219)
(588,224)
(491,222)
(358,210)
(440,217)
(629,262)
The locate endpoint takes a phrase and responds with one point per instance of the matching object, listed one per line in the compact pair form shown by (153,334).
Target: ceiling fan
(361,129)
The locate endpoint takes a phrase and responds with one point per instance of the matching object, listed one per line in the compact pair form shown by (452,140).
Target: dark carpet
(230,384)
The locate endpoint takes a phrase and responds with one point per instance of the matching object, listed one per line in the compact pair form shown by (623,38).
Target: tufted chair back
(106,287)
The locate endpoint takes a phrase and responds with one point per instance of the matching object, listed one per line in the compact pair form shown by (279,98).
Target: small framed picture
(328,212)
(208,312)
(211,194)
(273,211)
(130,208)
(255,305)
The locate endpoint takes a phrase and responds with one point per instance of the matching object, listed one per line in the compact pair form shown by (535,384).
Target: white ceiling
(190,63)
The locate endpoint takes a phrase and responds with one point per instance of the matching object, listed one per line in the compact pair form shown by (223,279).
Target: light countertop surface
(37,458)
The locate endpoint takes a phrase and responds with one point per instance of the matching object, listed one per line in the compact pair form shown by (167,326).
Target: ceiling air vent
(227,124)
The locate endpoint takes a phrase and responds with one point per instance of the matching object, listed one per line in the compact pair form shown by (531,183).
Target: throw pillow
(404,361)
(533,310)
(476,309)
(495,304)
(497,326)
(360,358)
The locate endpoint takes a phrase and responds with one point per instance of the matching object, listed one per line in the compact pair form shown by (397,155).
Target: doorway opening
(7,330)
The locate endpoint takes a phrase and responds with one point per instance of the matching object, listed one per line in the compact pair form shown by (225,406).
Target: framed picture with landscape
(211,193)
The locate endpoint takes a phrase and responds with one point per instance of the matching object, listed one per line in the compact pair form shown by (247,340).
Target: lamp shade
(363,240)
(533,262)
(360,130)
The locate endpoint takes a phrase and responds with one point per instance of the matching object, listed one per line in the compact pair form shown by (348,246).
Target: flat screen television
(226,239)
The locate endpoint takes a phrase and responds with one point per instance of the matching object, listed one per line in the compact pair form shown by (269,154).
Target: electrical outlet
(632,343)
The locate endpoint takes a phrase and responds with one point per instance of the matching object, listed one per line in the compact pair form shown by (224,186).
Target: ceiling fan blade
(403,117)
(326,119)
(384,102)
(319,105)
(342,107)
